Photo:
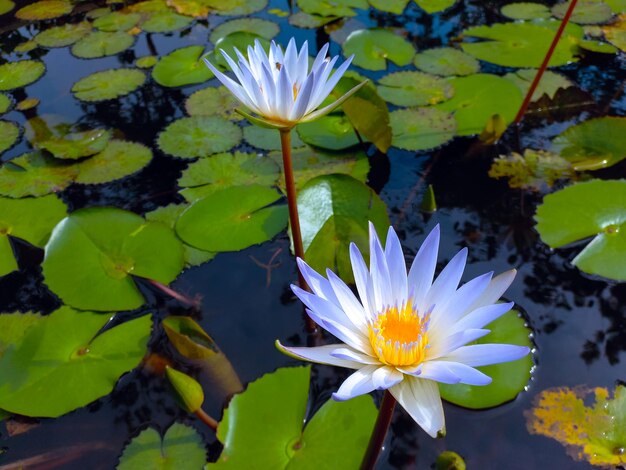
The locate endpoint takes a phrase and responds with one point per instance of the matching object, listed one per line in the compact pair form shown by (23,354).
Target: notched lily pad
(108,84)
(118,159)
(446,61)
(76,144)
(101,43)
(165,22)
(422,128)
(20,74)
(44,10)
(414,89)
(116,21)
(64,35)
(264,28)
(34,174)
(373,47)
(213,101)
(183,66)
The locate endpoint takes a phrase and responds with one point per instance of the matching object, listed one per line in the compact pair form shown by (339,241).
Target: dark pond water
(579,323)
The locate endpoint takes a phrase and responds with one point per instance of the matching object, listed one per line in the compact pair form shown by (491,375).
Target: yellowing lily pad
(28,103)
(44,10)
(77,144)
(446,61)
(34,174)
(146,62)
(9,133)
(525,11)
(372,48)
(199,136)
(165,22)
(595,209)
(585,12)
(616,33)
(108,84)
(101,44)
(264,28)
(117,160)
(414,89)
(183,66)
(19,74)
(238,7)
(213,101)
(117,21)
(94,253)
(421,128)
(593,431)
(65,35)
(534,170)
(6,6)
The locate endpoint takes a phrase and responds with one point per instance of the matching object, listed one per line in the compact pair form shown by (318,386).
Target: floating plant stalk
(381,427)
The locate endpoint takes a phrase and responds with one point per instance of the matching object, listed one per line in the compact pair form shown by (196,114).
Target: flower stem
(206,419)
(292,202)
(546,61)
(380,431)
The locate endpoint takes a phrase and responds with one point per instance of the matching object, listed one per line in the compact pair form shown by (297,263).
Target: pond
(143,229)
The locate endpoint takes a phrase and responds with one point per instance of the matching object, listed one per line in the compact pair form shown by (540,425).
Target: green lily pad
(435,6)
(618,6)
(182,67)
(329,228)
(168,215)
(146,62)
(414,89)
(44,10)
(526,11)
(30,219)
(9,133)
(213,101)
(422,128)
(509,378)
(117,21)
(77,144)
(199,136)
(597,46)
(585,12)
(337,433)
(34,174)
(102,43)
(224,170)
(521,44)
(550,82)
(337,8)
(6,6)
(62,36)
(233,219)
(94,253)
(239,40)
(264,28)
(179,444)
(391,6)
(305,21)
(372,48)
(20,74)
(62,356)
(592,209)
(117,160)
(108,84)
(593,144)
(166,22)
(446,61)
(97,13)
(478,97)
(5,103)
(238,7)
(13,327)
(148,7)
(268,139)
(332,132)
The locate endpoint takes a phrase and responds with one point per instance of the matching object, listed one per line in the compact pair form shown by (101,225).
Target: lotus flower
(405,332)
(279,87)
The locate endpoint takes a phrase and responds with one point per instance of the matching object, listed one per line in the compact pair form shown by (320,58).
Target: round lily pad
(585,12)
(223,170)
(373,47)
(239,40)
(65,35)
(5,103)
(62,355)
(77,144)
(478,97)
(421,128)
(44,10)
(446,61)
(148,6)
(521,44)
(116,21)
(19,74)
(593,144)
(525,11)
(183,66)
(339,8)
(146,62)
(165,22)
(102,43)
(199,136)
(334,132)
(414,89)
(34,174)
(596,209)
(179,444)
(268,139)
(391,6)
(233,219)
(30,219)
(435,6)
(94,253)
(239,7)
(108,84)
(193,8)
(9,133)
(117,160)
(550,82)
(6,6)
(97,13)
(264,28)
(509,378)
(214,101)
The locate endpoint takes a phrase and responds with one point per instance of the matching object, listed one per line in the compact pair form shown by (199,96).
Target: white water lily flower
(279,87)
(406,333)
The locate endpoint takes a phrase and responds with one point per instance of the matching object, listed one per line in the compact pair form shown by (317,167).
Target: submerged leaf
(108,84)
(534,170)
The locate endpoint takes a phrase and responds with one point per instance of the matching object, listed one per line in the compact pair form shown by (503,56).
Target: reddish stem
(206,419)
(380,431)
(546,60)
(172,293)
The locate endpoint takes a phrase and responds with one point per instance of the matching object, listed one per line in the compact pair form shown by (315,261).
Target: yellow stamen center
(295,91)
(399,336)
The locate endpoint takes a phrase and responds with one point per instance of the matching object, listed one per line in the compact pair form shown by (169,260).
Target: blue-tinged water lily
(279,87)
(405,332)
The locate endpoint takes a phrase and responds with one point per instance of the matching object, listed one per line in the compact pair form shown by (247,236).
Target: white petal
(320,58)
(437,371)
(284,93)
(269,87)
(379,272)
(420,398)
(494,291)
(319,355)
(291,60)
(363,281)
(481,317)
(386,377)
(303,63)
(423,268)
(445,346)
(318,283)
(320,81)
(299,107)
(348,302)
(334,79)
(234,87)
(452,373)
(359,383)
(446,283)
(350,354)
(397,267)
(351,337)
(477,355)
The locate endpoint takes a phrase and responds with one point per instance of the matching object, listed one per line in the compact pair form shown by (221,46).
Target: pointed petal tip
(335,396)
